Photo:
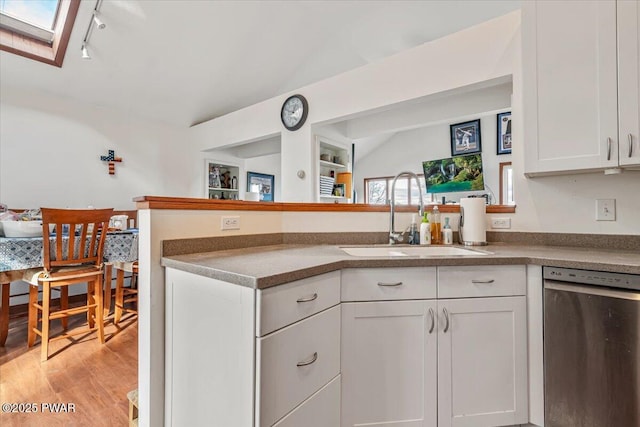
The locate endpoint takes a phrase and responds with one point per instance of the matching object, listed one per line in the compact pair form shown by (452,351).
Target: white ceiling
(184,62)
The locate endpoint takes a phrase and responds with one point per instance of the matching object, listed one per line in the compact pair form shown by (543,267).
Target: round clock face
(294,112)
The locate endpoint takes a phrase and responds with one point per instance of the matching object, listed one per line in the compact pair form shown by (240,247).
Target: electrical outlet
(501,223)
(230,223)
(605,209)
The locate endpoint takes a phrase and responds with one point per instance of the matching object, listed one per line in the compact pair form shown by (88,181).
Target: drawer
(295,362)
(378,284)
(320,410)
(481,281)
(283,305)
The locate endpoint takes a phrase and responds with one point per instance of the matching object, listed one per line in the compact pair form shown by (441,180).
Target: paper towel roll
(473,225)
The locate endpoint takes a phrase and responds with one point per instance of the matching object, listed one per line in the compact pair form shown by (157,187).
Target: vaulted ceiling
(184,62)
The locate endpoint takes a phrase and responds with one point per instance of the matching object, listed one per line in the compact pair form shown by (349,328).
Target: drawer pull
(307,299)
(446,317)
(433,320)
(482,281)
(308,362)
(630,145)
(389,284)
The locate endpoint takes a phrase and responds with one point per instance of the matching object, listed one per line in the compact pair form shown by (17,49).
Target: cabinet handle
(482,281)
(608,148)
(446,317)
(309,361)
(307,299)
(630,145)
(433,320)
(389,284)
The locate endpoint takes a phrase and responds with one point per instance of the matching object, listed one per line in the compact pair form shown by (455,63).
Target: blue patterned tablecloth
(20,253)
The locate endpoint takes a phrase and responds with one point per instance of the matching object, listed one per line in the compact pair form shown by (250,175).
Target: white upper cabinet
(629,81)
(570,85)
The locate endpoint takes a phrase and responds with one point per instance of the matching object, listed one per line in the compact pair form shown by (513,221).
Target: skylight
(33,18)
(37,29)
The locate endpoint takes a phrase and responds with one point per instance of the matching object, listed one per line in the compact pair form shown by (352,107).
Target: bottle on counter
(435,225)
(414,239)
(425,230)
(447,232)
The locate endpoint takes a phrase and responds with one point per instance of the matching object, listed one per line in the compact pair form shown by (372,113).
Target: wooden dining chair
(70,258)
(126,296)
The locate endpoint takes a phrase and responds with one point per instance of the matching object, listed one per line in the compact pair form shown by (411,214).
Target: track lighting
(101,25)
(94,21)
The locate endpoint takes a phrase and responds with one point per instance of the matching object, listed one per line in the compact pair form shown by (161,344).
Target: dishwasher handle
(592,290)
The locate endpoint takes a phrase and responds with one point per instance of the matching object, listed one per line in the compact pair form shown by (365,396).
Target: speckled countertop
(265,266)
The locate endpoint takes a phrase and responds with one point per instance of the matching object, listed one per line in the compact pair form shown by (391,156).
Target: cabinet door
(389,364)
(569,86)
(482,362)
(629,81)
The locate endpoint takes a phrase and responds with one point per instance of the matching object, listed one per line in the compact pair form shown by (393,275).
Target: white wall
(407,150)
(50,155)
(272,165)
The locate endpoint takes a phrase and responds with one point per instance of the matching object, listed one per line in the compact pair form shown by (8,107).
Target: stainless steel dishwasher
(591,348)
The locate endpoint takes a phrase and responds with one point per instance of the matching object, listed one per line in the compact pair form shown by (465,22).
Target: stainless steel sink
(410,251)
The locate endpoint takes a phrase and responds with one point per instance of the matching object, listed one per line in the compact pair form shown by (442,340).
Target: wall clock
(294,112)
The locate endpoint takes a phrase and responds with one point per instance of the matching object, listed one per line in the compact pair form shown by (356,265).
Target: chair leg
(4,313)
(33,315)
(64,304)
(46,301)
(91,300)
(119,305)
(108,268)
(99,316)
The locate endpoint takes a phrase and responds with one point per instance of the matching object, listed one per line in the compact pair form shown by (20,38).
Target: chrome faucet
(393,236)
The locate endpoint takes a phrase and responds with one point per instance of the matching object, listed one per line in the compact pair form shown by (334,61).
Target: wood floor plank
(95,378)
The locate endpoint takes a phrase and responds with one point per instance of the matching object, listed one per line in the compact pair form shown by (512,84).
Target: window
(37,29)
(378,190)
(506,184)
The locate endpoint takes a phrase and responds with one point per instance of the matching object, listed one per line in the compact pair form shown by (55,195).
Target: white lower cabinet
(294,356)
(446,362)
(389,363)
(482,362)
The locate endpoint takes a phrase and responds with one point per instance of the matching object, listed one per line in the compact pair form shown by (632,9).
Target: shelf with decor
(334,171)
(222,180)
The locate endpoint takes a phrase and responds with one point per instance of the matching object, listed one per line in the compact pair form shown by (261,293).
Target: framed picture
(465,138)
(261,183)
(339,190)
(504,133)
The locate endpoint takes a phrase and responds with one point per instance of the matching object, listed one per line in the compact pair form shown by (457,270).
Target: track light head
(101,25)
(85,52)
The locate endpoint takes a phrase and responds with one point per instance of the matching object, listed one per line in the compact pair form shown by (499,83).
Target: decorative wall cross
(111,158)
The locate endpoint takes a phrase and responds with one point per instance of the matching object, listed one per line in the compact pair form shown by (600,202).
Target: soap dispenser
(447,232)
(425,231)
(435,225)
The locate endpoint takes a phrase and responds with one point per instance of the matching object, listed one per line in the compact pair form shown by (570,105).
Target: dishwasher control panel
(589,277)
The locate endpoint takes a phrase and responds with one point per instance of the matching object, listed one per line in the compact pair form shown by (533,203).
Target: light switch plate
(605,209)
(230,223)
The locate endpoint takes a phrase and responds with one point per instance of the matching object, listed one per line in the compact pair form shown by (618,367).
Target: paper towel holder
(460,236)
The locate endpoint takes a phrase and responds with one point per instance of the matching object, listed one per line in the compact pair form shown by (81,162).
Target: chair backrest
(132,222)
(78,237)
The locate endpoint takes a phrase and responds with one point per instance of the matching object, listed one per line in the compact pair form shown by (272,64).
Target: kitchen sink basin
(410,251)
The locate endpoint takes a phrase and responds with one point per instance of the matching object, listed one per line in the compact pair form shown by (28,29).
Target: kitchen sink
(410,251)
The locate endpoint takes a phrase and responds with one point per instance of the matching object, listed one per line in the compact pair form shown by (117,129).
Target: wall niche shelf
(219,180)
(333,158)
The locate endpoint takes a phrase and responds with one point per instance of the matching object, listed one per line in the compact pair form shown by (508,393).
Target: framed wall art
(504,133)
(465,138)
(261,183)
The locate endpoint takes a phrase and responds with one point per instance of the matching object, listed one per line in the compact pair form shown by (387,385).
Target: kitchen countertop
(265,266)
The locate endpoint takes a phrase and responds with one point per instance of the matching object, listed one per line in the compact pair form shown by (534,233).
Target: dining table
(18,254)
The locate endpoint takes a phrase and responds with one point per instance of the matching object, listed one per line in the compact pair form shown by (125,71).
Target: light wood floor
(95,378)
